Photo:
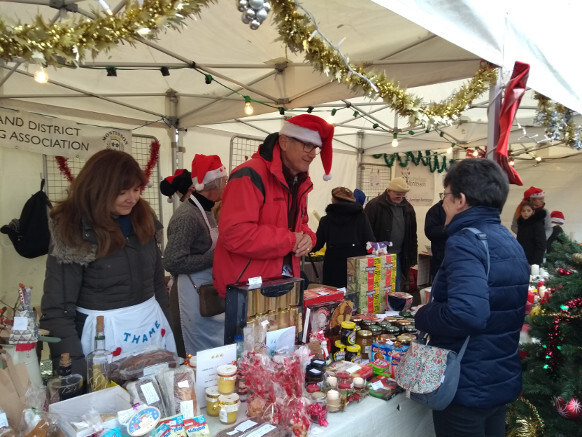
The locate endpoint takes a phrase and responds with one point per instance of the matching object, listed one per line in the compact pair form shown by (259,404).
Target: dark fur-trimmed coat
(75,277)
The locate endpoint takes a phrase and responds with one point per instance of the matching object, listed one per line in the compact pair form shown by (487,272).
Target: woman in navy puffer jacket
(468,302)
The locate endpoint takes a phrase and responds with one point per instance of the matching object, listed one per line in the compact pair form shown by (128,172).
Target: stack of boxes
(371,277)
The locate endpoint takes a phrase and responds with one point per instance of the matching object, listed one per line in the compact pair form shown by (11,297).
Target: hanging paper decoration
(513,93)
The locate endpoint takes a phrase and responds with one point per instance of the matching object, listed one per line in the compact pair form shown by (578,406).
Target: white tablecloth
(370,417)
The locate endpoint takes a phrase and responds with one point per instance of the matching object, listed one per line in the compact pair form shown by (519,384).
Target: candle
(332,381)
(359,382)
(332,395)
(535,270)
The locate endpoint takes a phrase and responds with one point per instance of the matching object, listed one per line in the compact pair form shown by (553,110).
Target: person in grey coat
(189,253)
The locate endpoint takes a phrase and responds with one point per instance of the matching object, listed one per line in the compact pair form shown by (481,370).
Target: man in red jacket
(263,227)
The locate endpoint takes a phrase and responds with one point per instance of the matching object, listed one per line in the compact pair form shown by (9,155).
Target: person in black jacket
(345,230)
(531,234)
(434,229)
(393,219)
(558,219)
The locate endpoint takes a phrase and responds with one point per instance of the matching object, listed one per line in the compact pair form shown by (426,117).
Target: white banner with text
(51,136)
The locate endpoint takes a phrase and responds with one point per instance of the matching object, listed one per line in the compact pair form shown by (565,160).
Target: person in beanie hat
(180,182)
(344,230)
(263,220)
(558,219)
(537,197)
(393,219)
(189,254)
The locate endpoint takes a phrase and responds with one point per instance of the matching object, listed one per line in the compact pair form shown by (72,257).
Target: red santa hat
(180,181)
(205,169)
(314,130)
(533,192)
(557,217)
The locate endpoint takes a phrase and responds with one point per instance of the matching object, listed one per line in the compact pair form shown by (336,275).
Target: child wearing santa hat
(558,219)
(537,197)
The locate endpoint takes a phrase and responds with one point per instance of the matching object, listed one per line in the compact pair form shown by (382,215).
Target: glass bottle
(67,384)
(98,361)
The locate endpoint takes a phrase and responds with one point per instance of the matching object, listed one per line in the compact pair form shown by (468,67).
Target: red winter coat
(253,222)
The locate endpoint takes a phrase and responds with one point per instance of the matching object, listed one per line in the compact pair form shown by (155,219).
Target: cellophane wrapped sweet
(276,388)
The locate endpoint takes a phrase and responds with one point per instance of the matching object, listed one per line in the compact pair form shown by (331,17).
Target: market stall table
(369,417)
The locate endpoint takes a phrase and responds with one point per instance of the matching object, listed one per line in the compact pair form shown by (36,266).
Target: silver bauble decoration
(256,4)
(267,6)
(245,19)
(255,24)
(242,5)
(261,15)
(250,13)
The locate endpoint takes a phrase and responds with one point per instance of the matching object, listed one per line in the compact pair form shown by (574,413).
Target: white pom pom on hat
(315,130)
(205,169)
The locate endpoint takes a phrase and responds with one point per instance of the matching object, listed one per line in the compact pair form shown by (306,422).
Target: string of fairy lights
(67,43)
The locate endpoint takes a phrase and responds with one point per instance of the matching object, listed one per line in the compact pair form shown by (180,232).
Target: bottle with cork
(99,361)
(67,384)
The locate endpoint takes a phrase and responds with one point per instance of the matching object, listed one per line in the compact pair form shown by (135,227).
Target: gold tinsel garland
(70,39)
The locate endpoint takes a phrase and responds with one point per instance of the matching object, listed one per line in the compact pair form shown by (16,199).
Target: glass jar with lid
(212,407)
(228,408)
(340,353)
(347,333)
(364,340)
(376,331)
(353,353)
(226,378)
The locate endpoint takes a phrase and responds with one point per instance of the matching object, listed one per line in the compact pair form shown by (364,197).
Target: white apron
(129,329)
(199,333)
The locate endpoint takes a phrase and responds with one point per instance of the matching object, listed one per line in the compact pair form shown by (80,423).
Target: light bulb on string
(511,162)
(538,158)
(395,140)
(41,76)
(249,110)
(475,153)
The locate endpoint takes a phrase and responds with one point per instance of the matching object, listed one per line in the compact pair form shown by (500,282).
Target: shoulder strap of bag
(483,237)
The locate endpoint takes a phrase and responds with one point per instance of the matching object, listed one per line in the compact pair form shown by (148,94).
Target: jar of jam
(376,331)
(212,407)
(405,339)
(393,330)
(347,333)
(390,319)
(364,340)
(228,408)
(387,339)
(353,353)
(340,353)
(384,325)
(357,321)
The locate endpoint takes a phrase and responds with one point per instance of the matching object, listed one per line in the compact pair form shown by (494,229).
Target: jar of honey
(228,408)
(226,376)
(364,340)
(212,407)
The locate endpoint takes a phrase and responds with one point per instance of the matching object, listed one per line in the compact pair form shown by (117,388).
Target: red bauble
(568,410)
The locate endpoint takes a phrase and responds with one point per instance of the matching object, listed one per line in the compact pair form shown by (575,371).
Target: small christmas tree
(551,400)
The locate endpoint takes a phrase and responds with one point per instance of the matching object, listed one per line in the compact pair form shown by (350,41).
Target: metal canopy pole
(493,111)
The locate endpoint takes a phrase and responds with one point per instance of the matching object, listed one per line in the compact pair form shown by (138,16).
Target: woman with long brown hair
(104,260)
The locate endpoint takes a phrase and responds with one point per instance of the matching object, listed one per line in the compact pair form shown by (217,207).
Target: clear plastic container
(226,378)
